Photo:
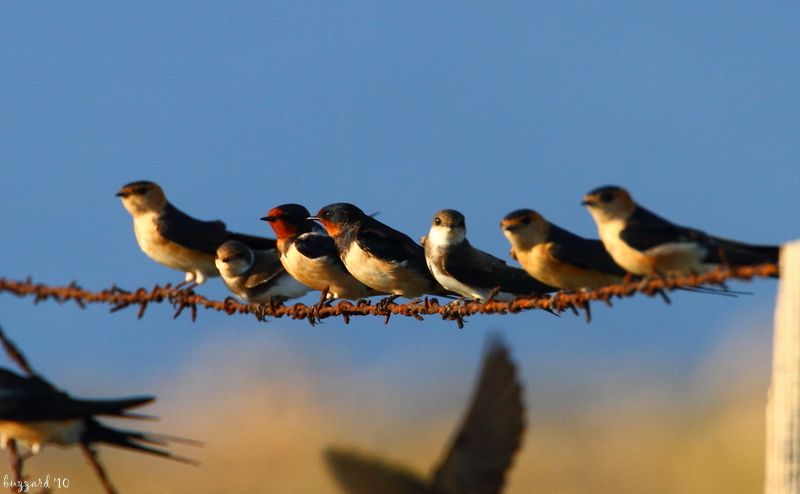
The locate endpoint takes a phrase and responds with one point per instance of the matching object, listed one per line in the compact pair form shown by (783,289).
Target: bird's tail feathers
(117,408)
(739,253)
(137,441)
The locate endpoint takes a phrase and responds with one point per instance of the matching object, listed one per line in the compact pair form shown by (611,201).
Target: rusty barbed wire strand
(187,298)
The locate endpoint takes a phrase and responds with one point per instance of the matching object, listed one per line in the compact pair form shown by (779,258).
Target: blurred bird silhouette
(34,413)
(479,456)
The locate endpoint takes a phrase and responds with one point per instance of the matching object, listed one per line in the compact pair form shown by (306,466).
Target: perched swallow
(648,245)
(34,413)
(310,255)
(470,272)
(172,238)
(378,256)
(255,276)
(556,256)
(479,454)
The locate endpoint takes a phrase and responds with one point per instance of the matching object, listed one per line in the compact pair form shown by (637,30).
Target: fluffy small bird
(172,238)
(647,245)
(556,256)
(460,267)
(256,276)
(310,255)
(379,256)
(480,453)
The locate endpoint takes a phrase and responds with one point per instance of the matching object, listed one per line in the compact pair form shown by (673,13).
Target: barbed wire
(186,298)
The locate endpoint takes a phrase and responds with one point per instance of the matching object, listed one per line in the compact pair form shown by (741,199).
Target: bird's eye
(526,220)
(141,191)
(437,221)
(606,197)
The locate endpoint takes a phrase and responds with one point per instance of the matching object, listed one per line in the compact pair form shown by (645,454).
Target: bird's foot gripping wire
(324,301)
(383,308)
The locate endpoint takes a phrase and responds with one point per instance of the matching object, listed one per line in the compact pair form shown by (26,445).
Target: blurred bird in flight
(34,413)
(479,455)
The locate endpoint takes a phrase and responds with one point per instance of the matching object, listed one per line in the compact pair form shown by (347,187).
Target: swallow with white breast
(256,276)
(470,272)
(382,258)
(647,245)
(172,238)
(556,256)
(310,255)
(479,455)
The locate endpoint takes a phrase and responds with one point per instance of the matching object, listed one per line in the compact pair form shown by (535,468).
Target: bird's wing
(315,245)
(31,399)
(645,230)
(490,433)
(479,269)
(581,252)
(255,243)
(386,243)
(358,474)
(203,236)
(266,267)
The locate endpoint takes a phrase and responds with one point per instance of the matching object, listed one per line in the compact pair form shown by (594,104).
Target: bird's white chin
(440,236)
(231,269)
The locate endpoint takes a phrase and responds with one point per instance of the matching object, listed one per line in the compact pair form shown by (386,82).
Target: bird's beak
(269,219)
(121,194)
(313,218)
(588,202)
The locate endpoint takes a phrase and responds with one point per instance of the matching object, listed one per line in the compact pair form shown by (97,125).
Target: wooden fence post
(783,402)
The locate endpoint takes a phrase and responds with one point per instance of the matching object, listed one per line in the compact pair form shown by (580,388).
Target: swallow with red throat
(172,238)
(472,273)
(256,276)
(378,256)
(479,455)
(647,245)
(556,256)
(310,255)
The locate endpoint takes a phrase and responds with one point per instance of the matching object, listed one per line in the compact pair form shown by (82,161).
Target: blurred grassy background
(266,411)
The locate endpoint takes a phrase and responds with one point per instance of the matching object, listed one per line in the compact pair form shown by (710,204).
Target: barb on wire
(187,298)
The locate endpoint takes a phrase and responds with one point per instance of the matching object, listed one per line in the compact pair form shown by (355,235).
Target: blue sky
(404,108)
